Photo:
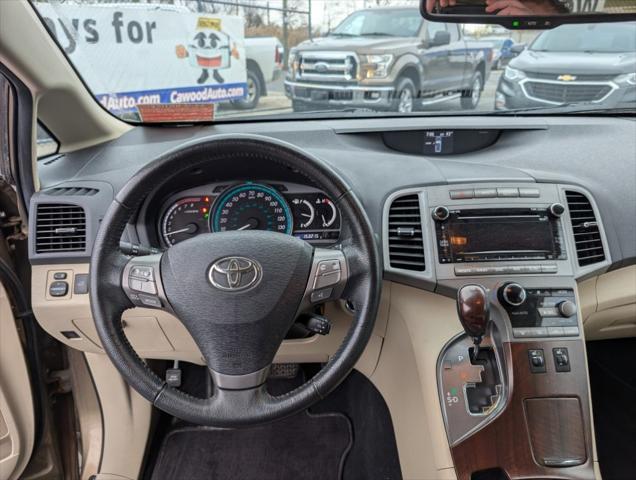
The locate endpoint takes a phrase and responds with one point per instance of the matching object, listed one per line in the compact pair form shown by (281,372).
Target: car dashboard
(529,208)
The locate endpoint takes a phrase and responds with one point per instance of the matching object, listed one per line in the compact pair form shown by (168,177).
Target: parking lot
(277,103)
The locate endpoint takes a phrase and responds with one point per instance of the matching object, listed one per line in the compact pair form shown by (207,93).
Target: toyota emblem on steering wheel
(235,274)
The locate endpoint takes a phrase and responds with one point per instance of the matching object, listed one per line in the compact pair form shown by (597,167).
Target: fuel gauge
(326,212)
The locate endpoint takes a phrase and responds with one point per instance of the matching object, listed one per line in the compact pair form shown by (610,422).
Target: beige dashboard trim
(420,324)
(608,304)
(126,420)
(158,335)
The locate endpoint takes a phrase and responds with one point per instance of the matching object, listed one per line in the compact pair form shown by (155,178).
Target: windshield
(186,61)
(395,23)
(599,38)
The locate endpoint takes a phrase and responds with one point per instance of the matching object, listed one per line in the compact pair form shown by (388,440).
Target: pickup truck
(387,59)
(264,65)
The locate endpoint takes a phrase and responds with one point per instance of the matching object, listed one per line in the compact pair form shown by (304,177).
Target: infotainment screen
(498,235)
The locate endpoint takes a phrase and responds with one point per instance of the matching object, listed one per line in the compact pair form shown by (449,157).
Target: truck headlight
(513,74)
(375,66)
(627,78)
(292,64)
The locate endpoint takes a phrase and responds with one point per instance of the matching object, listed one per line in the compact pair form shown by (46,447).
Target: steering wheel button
(150,301)
(149,287)
(328,266)
(142,272)
(326,280)
(137,285)
(321,295)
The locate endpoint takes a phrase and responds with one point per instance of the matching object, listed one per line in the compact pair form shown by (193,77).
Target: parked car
(264,65)
(387,59)
(573,64)
(502,51)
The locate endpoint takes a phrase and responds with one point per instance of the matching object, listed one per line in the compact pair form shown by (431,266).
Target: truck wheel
(404,96)
(470,98)
(254,90)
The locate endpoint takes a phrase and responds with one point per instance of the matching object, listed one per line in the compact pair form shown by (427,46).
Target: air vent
(587,235)
(60,227)
(71,191)
(406,247)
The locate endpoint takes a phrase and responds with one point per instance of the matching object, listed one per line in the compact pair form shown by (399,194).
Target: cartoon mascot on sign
(210,49)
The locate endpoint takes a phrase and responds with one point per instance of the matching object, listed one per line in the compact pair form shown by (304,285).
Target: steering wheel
(237,293)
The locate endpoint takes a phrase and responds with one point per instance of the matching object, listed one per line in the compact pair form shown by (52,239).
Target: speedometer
(252,207)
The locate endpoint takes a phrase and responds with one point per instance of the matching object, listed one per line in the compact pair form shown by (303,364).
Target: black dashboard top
(596,153)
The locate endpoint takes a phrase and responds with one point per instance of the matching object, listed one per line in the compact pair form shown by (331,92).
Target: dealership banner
(131,55)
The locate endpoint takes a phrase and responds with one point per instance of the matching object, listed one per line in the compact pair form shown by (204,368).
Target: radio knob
(557,209)
(513,294)
(441,213)
(567,308)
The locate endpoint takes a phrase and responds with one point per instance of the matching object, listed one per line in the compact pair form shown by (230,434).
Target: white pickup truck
(264,65)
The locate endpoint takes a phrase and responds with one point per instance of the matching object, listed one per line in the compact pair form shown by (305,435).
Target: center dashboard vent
(406,245)
(60,227)
(587,234)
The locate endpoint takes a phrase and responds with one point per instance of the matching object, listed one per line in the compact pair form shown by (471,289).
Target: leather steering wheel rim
(233,407)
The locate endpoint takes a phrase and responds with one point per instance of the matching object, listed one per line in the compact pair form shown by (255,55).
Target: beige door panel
(16,401)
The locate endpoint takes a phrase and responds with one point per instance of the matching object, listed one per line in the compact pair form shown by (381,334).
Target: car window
(46,143)
(599,38)
(397,23)
(454,32)
(432,28)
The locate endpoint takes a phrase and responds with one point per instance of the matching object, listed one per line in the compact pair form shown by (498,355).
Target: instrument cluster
(287,208)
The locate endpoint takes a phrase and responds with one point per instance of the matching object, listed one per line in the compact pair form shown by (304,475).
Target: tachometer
(184,219)
(252,207)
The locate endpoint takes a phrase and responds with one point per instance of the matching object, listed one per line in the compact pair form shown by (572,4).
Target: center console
(515,398)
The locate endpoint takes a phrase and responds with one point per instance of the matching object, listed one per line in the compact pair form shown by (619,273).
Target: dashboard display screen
(438,142)
(476,237)
(291,209)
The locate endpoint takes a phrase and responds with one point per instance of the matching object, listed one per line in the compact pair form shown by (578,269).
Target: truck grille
(327,66)
(567,92)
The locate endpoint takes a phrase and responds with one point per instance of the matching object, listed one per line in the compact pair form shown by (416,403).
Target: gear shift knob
(473,310)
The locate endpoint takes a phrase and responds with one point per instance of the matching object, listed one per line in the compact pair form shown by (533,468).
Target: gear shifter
(474,312)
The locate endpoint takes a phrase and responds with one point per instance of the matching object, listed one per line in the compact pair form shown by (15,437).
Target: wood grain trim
(505,443)
(556,430)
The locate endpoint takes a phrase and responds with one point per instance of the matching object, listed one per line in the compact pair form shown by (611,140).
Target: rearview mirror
(528,14)
(440,39)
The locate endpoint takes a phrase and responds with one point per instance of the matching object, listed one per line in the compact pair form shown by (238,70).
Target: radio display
(490,235)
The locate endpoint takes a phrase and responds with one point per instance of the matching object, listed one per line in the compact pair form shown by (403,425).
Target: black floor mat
(302,446)
(612,366)
(312,443)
